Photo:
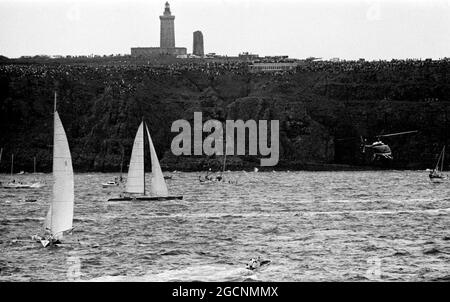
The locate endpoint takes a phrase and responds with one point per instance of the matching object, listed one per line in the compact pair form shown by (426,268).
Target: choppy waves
(313,226)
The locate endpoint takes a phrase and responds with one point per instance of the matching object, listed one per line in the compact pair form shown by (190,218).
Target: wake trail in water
(202,273)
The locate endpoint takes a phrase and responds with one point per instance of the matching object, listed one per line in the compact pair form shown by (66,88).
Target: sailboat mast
(224,162)
(54,105)
(143,158)
(12,164)
(224,157)
(442,159)
(54,141)
(121,166)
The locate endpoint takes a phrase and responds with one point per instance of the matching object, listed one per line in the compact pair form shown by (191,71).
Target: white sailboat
(135,187)
(436,174)
(59,217)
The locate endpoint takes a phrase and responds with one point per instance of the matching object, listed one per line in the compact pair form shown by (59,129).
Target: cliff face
(301,137)
(101,107)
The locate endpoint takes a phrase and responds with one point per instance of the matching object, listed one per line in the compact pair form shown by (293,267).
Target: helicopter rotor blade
(346,138)
(399,133)
(361,138)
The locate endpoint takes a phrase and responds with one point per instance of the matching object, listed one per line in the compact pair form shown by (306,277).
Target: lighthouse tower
(167,39)
(167,28)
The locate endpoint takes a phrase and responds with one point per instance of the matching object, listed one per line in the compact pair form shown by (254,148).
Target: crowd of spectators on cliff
(367,66)
(126,73)
(123,76)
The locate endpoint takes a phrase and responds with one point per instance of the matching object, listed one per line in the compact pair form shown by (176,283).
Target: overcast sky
(350,29)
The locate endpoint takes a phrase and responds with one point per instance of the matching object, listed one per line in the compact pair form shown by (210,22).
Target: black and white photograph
(224,141)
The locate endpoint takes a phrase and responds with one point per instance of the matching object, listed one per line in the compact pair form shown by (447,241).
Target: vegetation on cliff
(101,106)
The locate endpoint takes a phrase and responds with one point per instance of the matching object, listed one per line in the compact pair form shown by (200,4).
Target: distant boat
(16,185)
(210,178)
(59,217)
(221,176)
(116,182)
(13,184)
(135,187)
(255,170)
(111,183)
(207,179)
(436,174)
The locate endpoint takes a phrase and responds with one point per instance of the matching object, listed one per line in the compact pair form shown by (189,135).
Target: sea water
(313,226)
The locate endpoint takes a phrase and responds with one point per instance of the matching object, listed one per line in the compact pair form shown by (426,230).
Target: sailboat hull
(437,179)
(16,187)
(145,198)
(22,186)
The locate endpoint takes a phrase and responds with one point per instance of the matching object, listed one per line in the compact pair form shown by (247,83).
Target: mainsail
(158,185)
(440,163)
(136,177)
(60,215)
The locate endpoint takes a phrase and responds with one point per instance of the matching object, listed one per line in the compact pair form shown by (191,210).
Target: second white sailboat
(135,187)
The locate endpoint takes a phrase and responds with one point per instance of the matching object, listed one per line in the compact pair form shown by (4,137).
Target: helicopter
(377,151)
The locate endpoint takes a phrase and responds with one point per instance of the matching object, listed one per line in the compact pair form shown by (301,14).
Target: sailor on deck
(254,263)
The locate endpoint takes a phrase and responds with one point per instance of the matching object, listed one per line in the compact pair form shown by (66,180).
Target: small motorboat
(167,177)
(256,263)
(110,184)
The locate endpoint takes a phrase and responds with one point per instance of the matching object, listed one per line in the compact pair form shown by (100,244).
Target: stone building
(197,48)
(167,39)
